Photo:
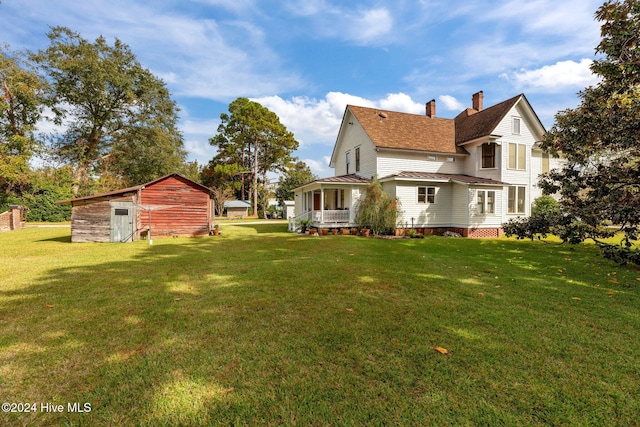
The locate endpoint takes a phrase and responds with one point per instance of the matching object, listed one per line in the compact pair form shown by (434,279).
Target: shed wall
(191,215)
(91,219)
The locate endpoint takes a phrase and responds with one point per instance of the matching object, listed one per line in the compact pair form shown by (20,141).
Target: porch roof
(341,179)
(442,177)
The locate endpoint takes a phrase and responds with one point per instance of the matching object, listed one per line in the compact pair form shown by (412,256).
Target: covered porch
(329,202)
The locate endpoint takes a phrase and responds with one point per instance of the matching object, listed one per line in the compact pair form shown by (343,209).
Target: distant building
(237,208)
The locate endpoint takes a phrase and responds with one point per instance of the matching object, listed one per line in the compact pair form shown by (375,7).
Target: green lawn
(262,327)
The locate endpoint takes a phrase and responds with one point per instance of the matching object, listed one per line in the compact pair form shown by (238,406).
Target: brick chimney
(431,108)
(476,100)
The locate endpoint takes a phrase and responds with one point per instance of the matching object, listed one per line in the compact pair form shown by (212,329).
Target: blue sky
(307,59)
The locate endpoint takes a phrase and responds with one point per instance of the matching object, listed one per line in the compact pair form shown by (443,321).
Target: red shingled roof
(472,124)
(390,129)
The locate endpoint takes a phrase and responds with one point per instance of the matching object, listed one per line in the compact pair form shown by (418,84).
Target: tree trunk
(255,181)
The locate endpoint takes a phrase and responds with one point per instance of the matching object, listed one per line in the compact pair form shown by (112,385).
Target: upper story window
(451,159)
(357,159)
(348,160)
(517,156)
(432,158)
(488,156)
(545,162)
(426,194)
(515,126)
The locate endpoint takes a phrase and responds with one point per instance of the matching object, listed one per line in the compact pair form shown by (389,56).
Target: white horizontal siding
(487,220)
(354,136)
(392,162)
(436,214)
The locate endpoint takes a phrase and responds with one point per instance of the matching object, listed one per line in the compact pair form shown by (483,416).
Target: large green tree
(21,90)
(119,119)
(599,183)
(294,176)
(252,137)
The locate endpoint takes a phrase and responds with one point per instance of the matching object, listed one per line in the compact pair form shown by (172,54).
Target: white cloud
(317,121)
(451,103)
(319,168)
(559,76)
(371,25)
(362,26)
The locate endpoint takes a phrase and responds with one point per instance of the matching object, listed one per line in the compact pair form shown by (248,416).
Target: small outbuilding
(169,206)
(237,208)
(289,209)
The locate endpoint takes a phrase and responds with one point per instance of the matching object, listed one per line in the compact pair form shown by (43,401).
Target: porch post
(321,205)
(352,218)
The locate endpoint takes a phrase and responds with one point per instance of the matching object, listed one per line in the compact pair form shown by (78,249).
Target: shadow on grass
(61,239)
(262,326)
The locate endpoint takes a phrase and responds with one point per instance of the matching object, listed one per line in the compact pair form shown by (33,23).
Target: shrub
(377,210)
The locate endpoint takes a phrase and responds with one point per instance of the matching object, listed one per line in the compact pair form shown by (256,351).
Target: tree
(47,186)
(294,176)
(252,137)
(377,210)
(119,118)
(224,176)
(599,183)
(546,218)
(221,195)
(21,90)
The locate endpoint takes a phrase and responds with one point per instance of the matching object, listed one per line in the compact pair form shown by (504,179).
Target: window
(488,156)
(357,159)
(348,160)
(516,200)
(486,201)
(451,159)
(426,194)
(517,156)
(432,158)
(516,126)
(545,162)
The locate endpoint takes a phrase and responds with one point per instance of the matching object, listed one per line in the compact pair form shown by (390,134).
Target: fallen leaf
(613,281)
(177,299)
(576,298)
(481,294)
(350,310)
(49,306)
(611,293)
(441,350)
(229,390)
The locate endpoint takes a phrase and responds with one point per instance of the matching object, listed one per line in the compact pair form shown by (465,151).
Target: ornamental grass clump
(377,210)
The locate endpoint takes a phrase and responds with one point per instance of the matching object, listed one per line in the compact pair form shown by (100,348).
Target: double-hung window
(515,128)
(357,159)
(488,156)
(516,204)
(517,156)
(426,194)
(486,202)
(545,162)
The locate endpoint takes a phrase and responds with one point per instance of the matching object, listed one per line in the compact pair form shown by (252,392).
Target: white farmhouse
(469,174)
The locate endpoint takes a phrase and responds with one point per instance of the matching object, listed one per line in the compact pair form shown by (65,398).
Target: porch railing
(331,216)
(293,221)
(320,217)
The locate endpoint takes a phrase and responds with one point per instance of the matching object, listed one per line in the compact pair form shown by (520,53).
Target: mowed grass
(263,327)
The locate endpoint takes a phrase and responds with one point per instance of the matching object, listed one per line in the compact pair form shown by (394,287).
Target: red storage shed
(176,206)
